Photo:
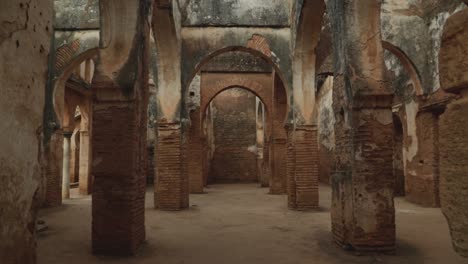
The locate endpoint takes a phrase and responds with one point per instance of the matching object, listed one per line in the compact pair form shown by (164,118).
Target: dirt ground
(241,223)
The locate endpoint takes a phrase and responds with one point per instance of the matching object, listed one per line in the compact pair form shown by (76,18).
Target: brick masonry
(363,213)
(234,119)
(53,170)
(195,153)
(171,182)
(302,168)
(119,182)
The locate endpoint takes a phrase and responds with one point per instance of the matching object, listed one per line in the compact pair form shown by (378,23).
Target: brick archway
(268,88)
(213,84)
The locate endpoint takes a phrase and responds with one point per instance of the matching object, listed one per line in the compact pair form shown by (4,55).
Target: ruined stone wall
(234,120)
(25,37)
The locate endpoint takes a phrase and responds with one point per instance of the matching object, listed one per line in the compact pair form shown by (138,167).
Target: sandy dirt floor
(241,223)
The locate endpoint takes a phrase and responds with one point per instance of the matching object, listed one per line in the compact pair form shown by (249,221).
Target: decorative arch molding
(407,64)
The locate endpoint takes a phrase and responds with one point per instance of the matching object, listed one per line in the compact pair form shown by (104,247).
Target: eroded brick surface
(171,185)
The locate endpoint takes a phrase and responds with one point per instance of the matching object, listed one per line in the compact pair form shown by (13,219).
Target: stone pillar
(363,214)
(119,182)
(85,182)
(119,128)
(53,169)
(302,168)
(66,165)
(171,184)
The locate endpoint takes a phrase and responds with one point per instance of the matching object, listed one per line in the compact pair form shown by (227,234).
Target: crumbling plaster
(273,13)
(415,26)
(25,40)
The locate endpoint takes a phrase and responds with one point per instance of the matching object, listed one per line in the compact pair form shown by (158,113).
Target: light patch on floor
(241,223)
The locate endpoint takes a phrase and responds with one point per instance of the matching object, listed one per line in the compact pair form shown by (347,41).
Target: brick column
(363,214)
(119,180)
(53,169)
(171,183)
(302,168)
(85,182)
(195,154)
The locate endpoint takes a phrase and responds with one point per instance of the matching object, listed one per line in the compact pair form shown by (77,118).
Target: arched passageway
(95,124)
(270,91)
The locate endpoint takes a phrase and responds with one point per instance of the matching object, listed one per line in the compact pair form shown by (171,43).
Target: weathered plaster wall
(415,26)
(326,129)
(25,38)
(237,13)
(234,120)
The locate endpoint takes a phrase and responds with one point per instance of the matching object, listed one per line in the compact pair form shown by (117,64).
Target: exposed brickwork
(302,168)
(119,184)
(363,214)
(260,43)
(65,53)
(373,177)
(195,153)
(171,189)
(234,119)
(53,170)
